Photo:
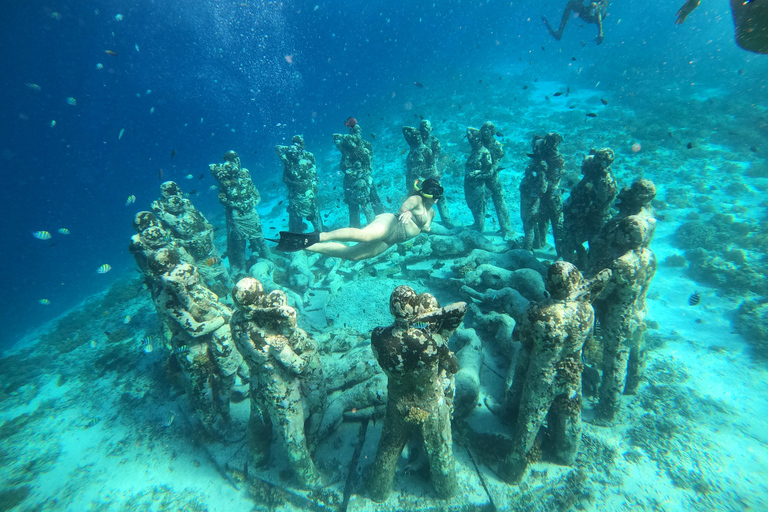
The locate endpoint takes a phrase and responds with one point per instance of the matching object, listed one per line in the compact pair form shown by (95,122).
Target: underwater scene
(452,255)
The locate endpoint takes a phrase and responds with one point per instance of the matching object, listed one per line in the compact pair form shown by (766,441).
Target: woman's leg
(357,252)
(374,231)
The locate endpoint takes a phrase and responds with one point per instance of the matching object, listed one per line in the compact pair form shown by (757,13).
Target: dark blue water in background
(225,63)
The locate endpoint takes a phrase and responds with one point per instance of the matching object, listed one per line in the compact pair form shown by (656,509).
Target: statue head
(563,278)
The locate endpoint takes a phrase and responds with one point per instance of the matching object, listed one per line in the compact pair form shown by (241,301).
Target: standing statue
(481,178)
(547,379)
(201,338)
(414,354)
(356,164)
(286,377)
(621,312)
(421,162)
(540,201)
(240,197)
(300,176)
(192,230)
(588,207)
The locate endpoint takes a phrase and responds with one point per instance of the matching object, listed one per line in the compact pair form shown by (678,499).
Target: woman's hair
(429,188)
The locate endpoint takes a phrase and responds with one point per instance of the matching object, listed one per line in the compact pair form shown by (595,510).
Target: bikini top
(420,219)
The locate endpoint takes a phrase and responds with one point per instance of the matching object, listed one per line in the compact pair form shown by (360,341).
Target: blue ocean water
(192,80)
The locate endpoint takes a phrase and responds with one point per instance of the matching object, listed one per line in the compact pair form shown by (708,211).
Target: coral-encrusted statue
(300,176)
(356,164)
(547,380)
(240,197)
(481,177)
(286,377)
(414,354)
(201,339)
(588,207)
(421,162)
(540,201)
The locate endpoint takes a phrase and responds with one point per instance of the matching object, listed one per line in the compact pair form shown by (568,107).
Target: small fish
(64,231)
(421,325)
(71,101)
(147,345)
(213,260)
(44,302)
(558,93)
(92,422)
(212,187)
(694,299)
(170,419)
(93,344)
(189,177)
(603,101)
(118,17)
(173,154)
(127,319)
(419,85)
(56,15)
(202,176)
(120,135)
(525,87)
(192,192)
(373,136)
(689,145)
(136,47)
(591,114)
(42,235)
(753,149)
(131,199)
(181,350)
(53,123)
(567,91)
(546,98)
(111,53)
(34,87)
(99,66)
(160,174)
(104,268)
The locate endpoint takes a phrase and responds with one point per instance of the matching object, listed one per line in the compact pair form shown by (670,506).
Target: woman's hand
(406,217)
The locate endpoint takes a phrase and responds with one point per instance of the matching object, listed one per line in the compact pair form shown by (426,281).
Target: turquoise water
(91,421)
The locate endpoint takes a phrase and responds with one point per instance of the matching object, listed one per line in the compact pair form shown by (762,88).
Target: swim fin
(292,242)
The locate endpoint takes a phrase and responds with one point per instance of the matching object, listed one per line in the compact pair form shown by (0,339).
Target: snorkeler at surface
(750,20)
(387,229)
(589,12)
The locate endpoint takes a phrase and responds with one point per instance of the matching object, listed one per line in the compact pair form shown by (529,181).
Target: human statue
(421,162)
(481,178)
(300,176)
(201,339)
(356,164)
(588,208)
(540,201)
(192,230)
(546,386)
(286,377)
(414,354)
(621,312)
(239,196)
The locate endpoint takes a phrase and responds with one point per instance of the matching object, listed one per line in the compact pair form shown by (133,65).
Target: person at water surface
(387,229)
(588,12)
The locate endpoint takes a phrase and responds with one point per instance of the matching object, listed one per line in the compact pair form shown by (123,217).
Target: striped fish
(694,299)
(42,235)
(181,350)
(104,268)
(92,422)
(64,231)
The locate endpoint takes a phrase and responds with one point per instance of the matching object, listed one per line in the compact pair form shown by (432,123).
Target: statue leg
(445,214)
(615,359)
(502,210)
(438,440)
(537,398)
(564,419)
(636,364)
(259,434)
(235,245)
(474,193)
(394,435)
